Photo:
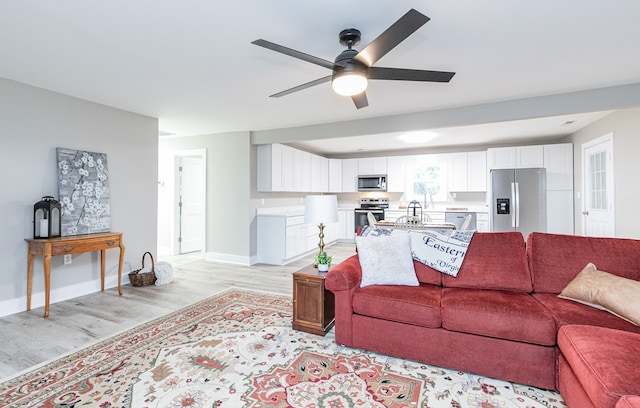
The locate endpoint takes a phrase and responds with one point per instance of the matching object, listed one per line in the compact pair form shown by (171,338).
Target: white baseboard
(226,258)
(17,305)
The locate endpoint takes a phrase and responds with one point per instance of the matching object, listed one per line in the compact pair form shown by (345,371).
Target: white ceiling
(192,65)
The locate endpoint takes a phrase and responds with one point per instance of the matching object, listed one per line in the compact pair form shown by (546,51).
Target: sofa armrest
(343,280)
(344,276)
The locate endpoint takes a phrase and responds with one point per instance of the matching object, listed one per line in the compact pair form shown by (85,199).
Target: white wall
(228,192)
(625,126)
(33,122)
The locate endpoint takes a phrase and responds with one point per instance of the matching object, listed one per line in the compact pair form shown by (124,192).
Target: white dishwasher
(457,218)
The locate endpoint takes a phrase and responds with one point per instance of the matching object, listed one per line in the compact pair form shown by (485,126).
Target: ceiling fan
(352,70)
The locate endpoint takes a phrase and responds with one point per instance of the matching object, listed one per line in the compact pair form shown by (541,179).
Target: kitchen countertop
(456,208)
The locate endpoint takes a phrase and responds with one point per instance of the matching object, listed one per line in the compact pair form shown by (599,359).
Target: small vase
(323,267)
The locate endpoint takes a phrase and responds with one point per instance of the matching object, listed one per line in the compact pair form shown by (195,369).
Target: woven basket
(138,278)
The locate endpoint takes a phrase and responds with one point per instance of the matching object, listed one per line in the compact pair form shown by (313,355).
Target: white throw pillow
(164,273)
(386,259)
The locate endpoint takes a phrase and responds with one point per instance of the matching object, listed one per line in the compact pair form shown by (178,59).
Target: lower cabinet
(283,238)
(482,222)
(346,224)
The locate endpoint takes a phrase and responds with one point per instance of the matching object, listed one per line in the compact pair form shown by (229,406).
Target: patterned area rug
(237,349)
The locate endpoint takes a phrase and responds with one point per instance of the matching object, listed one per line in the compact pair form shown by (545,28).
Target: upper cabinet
(335,175)
(372,165)
(283,168)
(287,168)
(349,175)
(269,167)
(396,174)
(319,174)
(301,170)
(468,171)
(520,157)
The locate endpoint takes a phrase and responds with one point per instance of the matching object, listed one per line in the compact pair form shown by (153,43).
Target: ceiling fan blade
(301,87)
(293,53)
(360,100)
(392,36)
(400,74)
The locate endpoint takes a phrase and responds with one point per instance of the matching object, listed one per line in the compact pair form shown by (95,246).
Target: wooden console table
(70,245)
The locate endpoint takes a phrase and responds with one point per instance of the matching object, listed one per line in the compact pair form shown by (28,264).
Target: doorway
(598,207)
(181,201)
(190,195)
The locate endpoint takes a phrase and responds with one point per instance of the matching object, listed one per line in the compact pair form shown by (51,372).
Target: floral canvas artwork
(83,187)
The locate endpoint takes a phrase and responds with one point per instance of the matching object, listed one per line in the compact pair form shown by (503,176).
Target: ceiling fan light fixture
(349,83)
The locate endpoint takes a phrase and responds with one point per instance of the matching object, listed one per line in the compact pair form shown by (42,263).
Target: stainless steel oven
(374,206)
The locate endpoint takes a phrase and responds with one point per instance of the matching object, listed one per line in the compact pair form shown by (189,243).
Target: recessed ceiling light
(418,137)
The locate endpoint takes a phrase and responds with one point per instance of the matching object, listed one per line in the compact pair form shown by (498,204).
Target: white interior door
(598,216)
(191,203)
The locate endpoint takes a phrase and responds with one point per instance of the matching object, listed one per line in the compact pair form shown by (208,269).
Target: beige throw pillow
(603,290)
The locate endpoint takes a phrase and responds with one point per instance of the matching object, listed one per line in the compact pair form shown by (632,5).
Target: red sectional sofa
(500,316)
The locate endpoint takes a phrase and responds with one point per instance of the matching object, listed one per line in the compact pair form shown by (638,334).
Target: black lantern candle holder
(47,218)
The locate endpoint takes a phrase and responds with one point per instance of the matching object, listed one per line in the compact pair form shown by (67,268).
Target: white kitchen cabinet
(519,157)
(560,212)
(477,171)
(468,171)
(335,175)
(275,167)
(558,160)
(396,173)
(529,157)
(319,174)
(296,236)
(393,215)
(275,239)
(283,238)
(269,167)
(482,222)
(436,216)
(346,228)
(288,168)
(302,170)
(349,175)
(372,165)
(458,172)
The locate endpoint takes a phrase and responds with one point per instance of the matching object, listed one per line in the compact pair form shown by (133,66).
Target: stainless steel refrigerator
(519,200)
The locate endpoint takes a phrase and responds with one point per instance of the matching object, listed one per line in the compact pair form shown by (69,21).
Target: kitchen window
(426,180)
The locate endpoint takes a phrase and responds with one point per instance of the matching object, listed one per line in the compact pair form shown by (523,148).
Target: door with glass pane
(598,216)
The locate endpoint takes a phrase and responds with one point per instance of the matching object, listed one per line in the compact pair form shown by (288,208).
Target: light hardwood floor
(27,339)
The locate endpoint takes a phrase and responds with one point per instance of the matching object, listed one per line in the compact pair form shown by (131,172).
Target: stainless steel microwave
(372,183)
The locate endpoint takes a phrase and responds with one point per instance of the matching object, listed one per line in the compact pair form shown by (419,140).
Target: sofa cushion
(602,290)
(426,274)
(555,259)
(605,361)
(629,401)
(497,313)
(494,260)
(386,259)
(417,305)
(567,312)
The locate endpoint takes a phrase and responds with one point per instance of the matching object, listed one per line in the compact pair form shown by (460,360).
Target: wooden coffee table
(313,305)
